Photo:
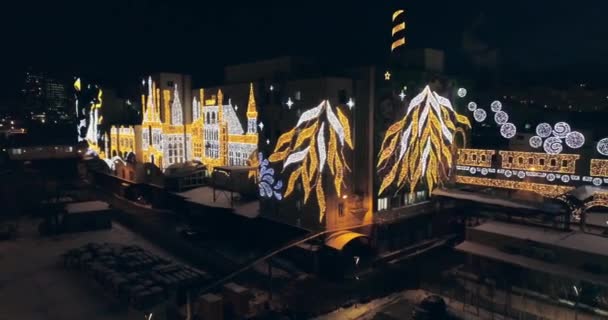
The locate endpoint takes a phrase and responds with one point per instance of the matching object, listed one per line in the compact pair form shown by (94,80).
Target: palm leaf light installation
(318,140)
(419,146)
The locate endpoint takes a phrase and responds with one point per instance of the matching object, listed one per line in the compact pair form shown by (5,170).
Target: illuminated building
(172,132)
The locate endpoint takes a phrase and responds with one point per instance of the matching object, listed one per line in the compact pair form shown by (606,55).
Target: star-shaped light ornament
(387,75)
(261,125)
(289,103)
(350,103)
(402,95)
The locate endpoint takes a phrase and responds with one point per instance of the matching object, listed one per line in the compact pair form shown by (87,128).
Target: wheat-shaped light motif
(419,146)
(317,141)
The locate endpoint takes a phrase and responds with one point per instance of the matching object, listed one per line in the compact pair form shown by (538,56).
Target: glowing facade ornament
(350,103)
(316,142)
(508,173)
(565,178)
(550,177)
(575,139)
(177,117)
(496,106)
(425,136)
(398,30)
(597,181)
(472,106)
(462,92)
(261,125)
(501,117)
(267,185)
(508,130)
(289,103)
(544,130)
(521,174)
(402,95)
(553,145)
(561,129)
(602,147)
(536,142)
(479,115)
(387,75)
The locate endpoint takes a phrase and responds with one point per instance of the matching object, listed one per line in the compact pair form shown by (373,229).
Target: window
(564,163)
(483,157)
(520,160)
(553,162)
(474,157)
(341,210)
(541,162)
(510,160)
(382,204)
(530,160)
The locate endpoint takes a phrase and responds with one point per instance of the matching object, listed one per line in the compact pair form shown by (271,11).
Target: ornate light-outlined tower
(223,129)
(177,116)
(252,112)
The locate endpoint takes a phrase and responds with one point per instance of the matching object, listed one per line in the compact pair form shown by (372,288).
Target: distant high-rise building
(44,98)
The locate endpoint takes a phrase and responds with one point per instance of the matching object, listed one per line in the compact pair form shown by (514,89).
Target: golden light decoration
(475,157)
(547,190)
(314,143)
(419,146)
(536,161)
(599,168)
(398,26)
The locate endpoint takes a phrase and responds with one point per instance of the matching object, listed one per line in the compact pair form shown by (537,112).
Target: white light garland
(597,181)
(565,178)
(521,174)
(508,130)
(561,129)
(553,145)
(472,106)
(462,92)
(551,177)
(501,117)
(508,173)
(544,130)
(602,147)
(575,139)
(496,106)
(479,115)
(536,142)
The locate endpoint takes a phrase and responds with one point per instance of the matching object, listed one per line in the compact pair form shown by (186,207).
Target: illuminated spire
(252,111)
(177,117)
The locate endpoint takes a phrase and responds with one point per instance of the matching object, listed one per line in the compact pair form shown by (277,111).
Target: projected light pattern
(472,106)
(544,130)
(267,185)
(496,106)
(602,147)
(501,117)
(479,115)
(536,142)
(508,130)
(419,146)
(316,143)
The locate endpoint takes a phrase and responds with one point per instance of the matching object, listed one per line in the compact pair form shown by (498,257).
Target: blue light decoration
(268,186)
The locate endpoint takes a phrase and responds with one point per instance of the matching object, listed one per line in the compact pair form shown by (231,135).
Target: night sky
(116,41)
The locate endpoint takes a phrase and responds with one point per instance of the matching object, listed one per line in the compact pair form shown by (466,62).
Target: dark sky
(115,41)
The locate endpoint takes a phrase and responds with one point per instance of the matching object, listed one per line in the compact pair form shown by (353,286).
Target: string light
(462,92)
(553,145)
(501,117)
(544,130)
(472,106)
(536,141)
(289,103)
(575,139)
(351,103)
(547,190)
(479,115)
(561,129)
(508,130)
(496,106)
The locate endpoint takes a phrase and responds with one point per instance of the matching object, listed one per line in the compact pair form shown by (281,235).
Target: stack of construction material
(142,279)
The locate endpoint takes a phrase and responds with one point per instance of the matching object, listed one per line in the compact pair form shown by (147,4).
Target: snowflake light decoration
(565,178)
(472,106)
(575,139)
(551,177)
(501,117)
(508,130)
(602,147)
(553,145)
(536,142)
(496,106)
(508,173)
(462,92)
(479,115)
(521,174)
(267,185)
(544,130)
